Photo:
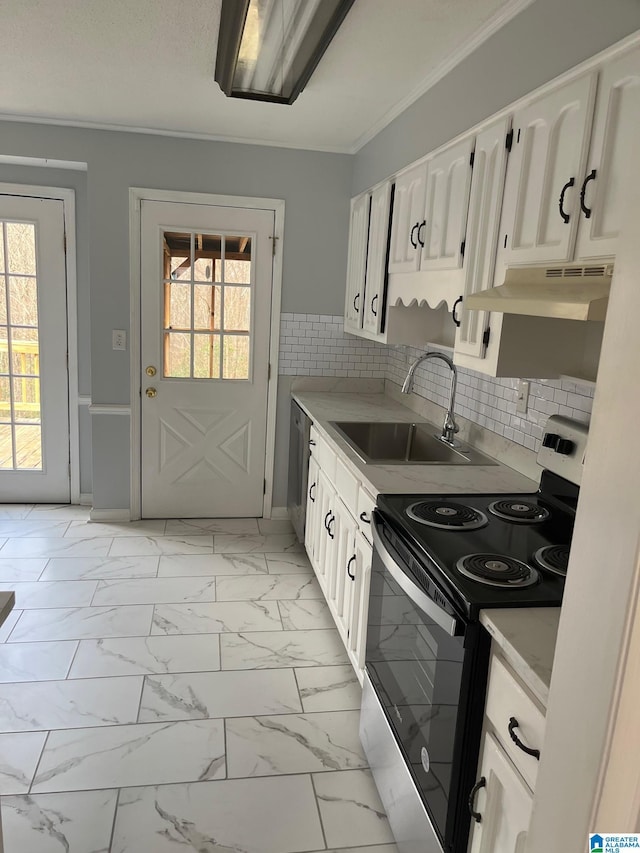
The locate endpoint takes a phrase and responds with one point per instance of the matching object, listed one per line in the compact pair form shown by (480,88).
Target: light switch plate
(119,339)
(522,397)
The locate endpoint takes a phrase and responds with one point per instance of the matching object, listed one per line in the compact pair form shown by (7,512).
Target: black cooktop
(459,526)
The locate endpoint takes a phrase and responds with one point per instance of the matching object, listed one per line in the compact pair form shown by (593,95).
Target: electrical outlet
(522,397)
(119,339)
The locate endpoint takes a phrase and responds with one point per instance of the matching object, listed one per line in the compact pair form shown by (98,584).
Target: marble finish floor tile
(290,561)
(216,617)
(100,568)
(146,655)
(21,568)
(36,661)
(350,809)
(141,754)
(154,591)
(19,756)
(9,624)
(91,529)
(68,512)
(40,594)
(293,743)
(329,688)
(29,528)
(275,525)
(80,822)
(277,542)
(82,623)
(133,546)
(211,525)
(37,706)
(212,816)
(204,695)
(268,587)
(212,564)
(305,615)
(267,650)
(56,547)
(15,510)
(377,848)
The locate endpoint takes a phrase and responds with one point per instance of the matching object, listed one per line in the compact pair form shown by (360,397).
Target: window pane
(26,399)
(177,255)
(217,270)
(237,309)
(23,334)
(206,356)
(6,450)
(237,253)
(206,315)
(1,247)
(5,400)
(177,354)
(4,349)
(179,314)
(23,301)
(203,269)
(236,357)
(25,355)
(28,447)
(3,298)
(207,254)
(21,248)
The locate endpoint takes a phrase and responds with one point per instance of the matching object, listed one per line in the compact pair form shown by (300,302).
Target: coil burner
(446,515)
(497,570)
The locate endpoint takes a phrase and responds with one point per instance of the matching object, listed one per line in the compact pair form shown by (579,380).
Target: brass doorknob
(151,371)
(151,392)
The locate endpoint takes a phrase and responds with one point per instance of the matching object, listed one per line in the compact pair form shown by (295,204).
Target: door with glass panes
(34,397)
(206,315)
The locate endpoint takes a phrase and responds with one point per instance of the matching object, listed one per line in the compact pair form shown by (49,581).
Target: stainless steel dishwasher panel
(299,432)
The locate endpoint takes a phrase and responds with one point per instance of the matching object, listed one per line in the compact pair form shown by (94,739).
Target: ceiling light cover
(268,49)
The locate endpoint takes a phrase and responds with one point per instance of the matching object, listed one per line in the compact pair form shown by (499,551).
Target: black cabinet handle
(472,796)
(420,227)
(373,302)
(565,216)
(312,496)
(513,724)
(453,311)
(590,177)
(415,227)
(329,530)
(353,577)
(363,517)
(326,521)
(312,442)
(356,303)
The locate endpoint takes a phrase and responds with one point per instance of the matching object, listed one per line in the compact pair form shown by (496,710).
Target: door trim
(68,199)
(136,196)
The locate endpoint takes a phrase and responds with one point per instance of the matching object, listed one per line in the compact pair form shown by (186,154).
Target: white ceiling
(149,64)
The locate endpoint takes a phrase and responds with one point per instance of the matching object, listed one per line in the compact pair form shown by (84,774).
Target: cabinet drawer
(346,486)
(322,453)
(366,505)
(509,706)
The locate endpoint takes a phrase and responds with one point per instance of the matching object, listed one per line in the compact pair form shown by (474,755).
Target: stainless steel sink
(384,443)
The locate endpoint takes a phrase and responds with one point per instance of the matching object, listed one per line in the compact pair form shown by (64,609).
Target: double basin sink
(384,443)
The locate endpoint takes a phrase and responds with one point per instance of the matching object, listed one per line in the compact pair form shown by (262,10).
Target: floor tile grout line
(73,658)
(315,799)
(39,761)
(113,822)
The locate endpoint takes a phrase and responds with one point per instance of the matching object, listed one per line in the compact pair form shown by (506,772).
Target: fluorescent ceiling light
(268,49)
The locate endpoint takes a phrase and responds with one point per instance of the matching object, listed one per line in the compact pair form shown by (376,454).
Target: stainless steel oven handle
(447,622)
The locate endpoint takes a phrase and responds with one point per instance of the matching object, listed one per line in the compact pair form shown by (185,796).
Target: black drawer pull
(312,496)
(590,177)
(356,303)
(513,724)
(565,216)
(373,302)
(326,521)
(312,442)
(472,796)
(415,245)
(329,530)
(422,225)
(353,577)
(453,311)
(363,517)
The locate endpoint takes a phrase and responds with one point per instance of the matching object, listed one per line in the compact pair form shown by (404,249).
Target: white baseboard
(86,499)
(110,515)
(279,512)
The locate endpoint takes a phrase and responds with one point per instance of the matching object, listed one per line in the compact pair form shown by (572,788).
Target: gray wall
(546,39)
(315,187)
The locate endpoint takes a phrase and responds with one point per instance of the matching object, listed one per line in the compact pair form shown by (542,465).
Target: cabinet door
(341,597)
(376,276)
(541,200)
(360,576)
(408,213)
(326,524)
(505,804)
(616,122)
(485,206)
(442,230)
(311,530)
(357,261)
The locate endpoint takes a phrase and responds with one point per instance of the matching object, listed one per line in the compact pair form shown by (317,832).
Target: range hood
(565,293)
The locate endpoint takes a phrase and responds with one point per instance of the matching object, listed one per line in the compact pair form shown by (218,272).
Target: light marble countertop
(7,601)
(423,479)
(527,637)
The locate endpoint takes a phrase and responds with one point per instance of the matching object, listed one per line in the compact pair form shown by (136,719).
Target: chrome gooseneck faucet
(449,427)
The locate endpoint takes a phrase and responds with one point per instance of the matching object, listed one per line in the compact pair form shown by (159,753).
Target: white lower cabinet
(339,552)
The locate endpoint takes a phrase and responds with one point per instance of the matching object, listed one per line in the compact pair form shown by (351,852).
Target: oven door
(421,659)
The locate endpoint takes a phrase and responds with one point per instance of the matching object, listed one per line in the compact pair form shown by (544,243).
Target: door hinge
(508,144)
(472,158)
(505,241)
(462,247)
(486,336)
(264,487)
(273,244)
(518,139)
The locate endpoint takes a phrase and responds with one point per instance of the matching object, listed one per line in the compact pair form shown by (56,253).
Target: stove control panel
(563,449)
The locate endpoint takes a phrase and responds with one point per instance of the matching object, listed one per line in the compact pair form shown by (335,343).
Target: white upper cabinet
(485,204)
(441,232)
(373,308)
(408,215)
(617,118)
(542,192)
(357,262)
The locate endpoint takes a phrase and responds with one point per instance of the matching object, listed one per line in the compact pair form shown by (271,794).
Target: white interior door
(34,395)
(206,315)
